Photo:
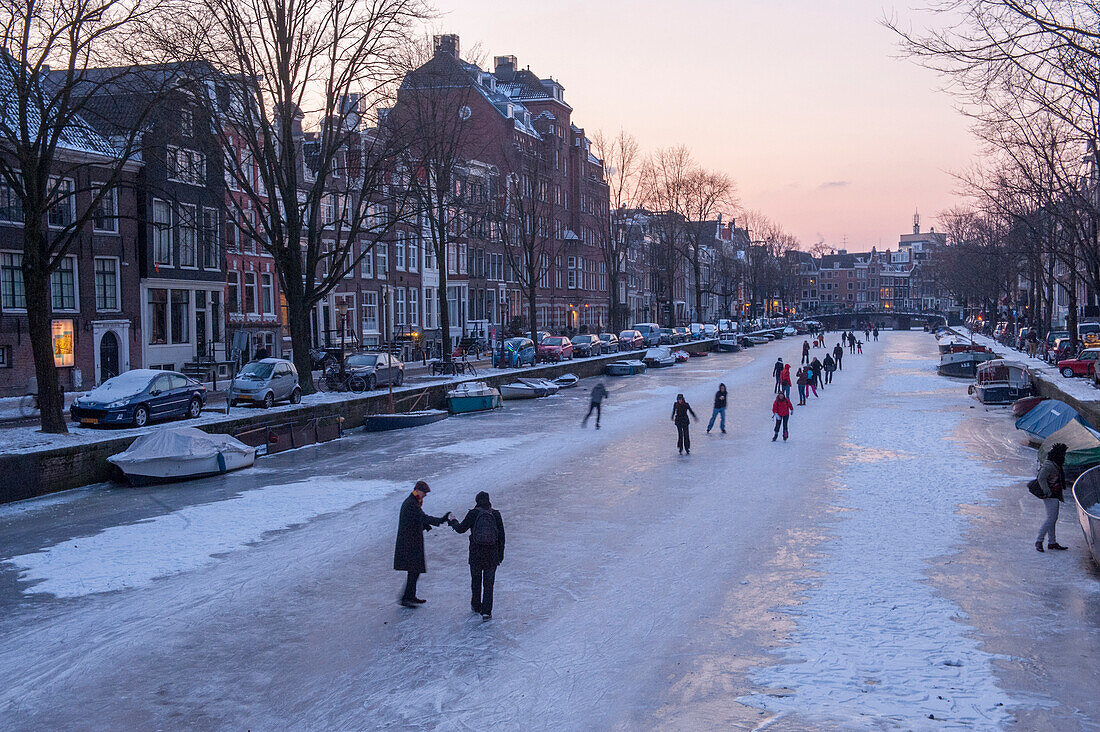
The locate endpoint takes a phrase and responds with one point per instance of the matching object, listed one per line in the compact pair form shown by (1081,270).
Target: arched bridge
(880,318)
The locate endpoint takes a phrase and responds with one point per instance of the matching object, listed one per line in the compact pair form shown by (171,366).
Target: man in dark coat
(486,529)
(599,393)
(777,372)
(680,411)
(838,356)
(828,366)
(408,554)
(817,379)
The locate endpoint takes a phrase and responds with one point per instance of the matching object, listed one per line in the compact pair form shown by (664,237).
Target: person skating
(680,411)
(785,381)
(817,376)
(599,393)
(777,372)
(806,351)
(781,410)
(828,366)
(408,553)
(851,343)
(1052,484)
(838,356)
(719,408)
(486,529)
(875,333)
(859,346)
(803,382)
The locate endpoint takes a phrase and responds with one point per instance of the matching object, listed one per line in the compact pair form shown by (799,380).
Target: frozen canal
(876,571)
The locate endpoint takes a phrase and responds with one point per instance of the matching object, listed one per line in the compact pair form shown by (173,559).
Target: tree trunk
(444,310)
(298,325)
(530,297)
(36,285)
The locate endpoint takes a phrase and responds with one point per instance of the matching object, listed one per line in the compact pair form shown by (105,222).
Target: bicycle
(341,381)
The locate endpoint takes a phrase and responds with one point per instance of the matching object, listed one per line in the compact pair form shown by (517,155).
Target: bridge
(880,318)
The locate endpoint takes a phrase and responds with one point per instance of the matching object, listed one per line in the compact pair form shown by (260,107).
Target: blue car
(516,352)
(138,396)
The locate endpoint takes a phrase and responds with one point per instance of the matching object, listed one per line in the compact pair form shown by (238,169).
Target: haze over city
(806,103)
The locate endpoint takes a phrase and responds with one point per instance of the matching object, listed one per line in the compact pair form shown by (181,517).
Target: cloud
(834,184)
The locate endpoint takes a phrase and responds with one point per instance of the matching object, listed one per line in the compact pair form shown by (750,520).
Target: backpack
(485,529)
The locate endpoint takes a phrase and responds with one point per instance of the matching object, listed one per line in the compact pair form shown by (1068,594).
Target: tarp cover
(179,442)
(1047,418)
(1083,443)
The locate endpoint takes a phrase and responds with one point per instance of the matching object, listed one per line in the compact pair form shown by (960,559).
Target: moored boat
(172,454)
(728,342)
(528,388)
(1020,407)
(659,357)
(1001,382)
(473,396)
(1086,497)
(402,420)
(625,368)
(963,363)
(1046,418)
(566,381)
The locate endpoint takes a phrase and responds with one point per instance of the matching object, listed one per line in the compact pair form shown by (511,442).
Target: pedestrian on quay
(875,333)
(1051,482)
(816,381)
(785,381)
(777,372)
(408,554)
(803,382)
(486,529)
(781,410)
(680,411)
(859,347)
(828,366)
(838,356)
(720,397)
(599,393)
(806,351)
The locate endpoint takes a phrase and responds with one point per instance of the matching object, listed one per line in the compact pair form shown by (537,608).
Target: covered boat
(1001,382)
(528,388)
(963,363)
(625,368)
(728,342)
(681,356)
(472,396)
(1086,497)
(1046,418)
(402,420)
(659,357)
(169,454)
(1083,443)
(1020,407)
(565,381)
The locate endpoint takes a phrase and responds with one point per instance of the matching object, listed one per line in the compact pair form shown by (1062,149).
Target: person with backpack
(720,398)
(599,393)
(828,366)
(781,410)
(838,356)
(1049,485)
(486,529)
(408,553)
(680,411)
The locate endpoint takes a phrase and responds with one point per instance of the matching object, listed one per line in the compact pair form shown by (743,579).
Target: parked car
(683,335)
(587,345)
(1089,334)
(376,369)
(651,332)
(1083,365)
(1054,335)
(555,348)
(667,337)
(137,396)
(631,340)
(517,352)
(267,381)
(710,330)
(1061,350)
(610,342)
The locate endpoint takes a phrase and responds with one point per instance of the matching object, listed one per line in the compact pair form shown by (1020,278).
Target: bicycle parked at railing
(336,380)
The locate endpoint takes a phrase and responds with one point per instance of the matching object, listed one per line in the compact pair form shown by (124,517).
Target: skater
(806,351)
(781,410)
(1052,484)
(828,366)
(803,382)
(408,553)
(680,411)
(851,343)
(859,346)
(838,356)
(816,378)
(777,372)
(719,409)
(599,393)
(486,529)
(785,381)
(875,333)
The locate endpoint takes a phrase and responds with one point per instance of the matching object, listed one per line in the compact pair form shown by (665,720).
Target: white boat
(528,388)
(181,453)
(565,381)
(1086,497)
(472,396)
(1001,382)
(658,357)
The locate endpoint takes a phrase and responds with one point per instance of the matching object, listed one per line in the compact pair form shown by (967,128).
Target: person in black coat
(680,411)
(408,553)
(838,356)
(777,372)
(486,529)
(817,375)
(828,366)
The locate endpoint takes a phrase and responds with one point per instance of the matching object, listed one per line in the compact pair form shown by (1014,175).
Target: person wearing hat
(408,554)
(486,529)
(1052,483)
(777,372)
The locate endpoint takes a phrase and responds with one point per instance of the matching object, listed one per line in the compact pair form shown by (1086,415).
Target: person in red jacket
(781,410)
(785,381)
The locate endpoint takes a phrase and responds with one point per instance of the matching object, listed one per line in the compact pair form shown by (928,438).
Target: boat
(697,354)
(1086,496)
(1020,407)
(402,420)
(1001,382)
(963,363)
(172,454)
(528,388)
(727,342)
(1046,418)
(957,344)
(473,396)
(659,357)
(681,356)
(758,340)
(625,368)
(1082,447)
(566,381)
(746,342)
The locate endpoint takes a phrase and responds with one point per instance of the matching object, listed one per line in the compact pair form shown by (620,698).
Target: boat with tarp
(473,396)
(1046,418)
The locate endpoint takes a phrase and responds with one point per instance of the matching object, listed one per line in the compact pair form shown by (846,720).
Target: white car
(710,330)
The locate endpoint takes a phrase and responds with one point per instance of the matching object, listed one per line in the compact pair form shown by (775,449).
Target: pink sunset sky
(804,102)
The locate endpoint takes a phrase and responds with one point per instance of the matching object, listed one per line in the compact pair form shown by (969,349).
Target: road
(876,571)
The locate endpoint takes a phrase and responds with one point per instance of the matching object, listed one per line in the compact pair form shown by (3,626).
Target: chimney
(447,44)
(505,67)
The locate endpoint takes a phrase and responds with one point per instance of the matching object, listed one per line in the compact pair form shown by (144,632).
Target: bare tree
(616,228)
(706,194)
(665,179)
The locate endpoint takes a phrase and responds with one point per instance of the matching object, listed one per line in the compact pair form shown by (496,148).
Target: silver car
(267,381)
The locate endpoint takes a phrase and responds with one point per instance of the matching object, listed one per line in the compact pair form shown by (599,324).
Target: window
(211,254)
(12,294)
(370,312)
(162,232)
(572,273)
(63,210)
(413,254)
(414,306)
(188,235)
(186,166)
(181,306)
(187,122)
(106,283)
(233,294)
(105,216)
(63,285)
(366,264)
(429,256)
(158,316)
(250,300)
(267,294)
(399,307)
(429,307)
(232,236)
(11,207)
(382,250)
(399,252)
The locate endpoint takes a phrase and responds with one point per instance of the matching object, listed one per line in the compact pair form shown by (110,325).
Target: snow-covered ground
(873,571)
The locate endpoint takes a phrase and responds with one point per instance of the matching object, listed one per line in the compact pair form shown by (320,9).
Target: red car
(1083,365)
(555,348)
(631,340)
